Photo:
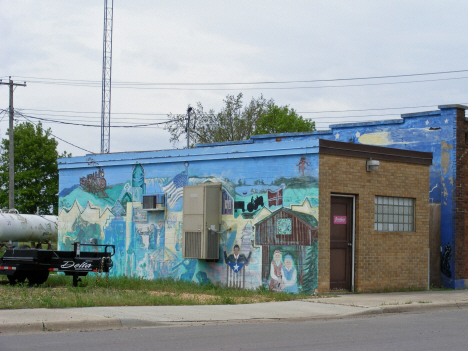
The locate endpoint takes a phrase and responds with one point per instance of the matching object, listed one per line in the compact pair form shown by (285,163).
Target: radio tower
(106,76)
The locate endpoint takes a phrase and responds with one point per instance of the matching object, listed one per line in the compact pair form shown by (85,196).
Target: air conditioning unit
(202,221)
(156,202)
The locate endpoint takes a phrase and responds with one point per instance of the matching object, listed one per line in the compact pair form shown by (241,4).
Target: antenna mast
(106,76)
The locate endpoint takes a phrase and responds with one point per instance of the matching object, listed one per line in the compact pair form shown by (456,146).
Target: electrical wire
(98,83)
(95,125)
(56,137)
(165,114)
(117,86)
(86,112)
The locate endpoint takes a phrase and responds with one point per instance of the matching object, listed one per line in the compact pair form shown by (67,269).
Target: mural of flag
(175,189)
(236,267)
(275,198)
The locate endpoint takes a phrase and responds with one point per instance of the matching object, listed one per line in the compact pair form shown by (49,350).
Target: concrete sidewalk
(339,306)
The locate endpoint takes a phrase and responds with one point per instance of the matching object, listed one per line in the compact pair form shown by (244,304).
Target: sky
(171,50)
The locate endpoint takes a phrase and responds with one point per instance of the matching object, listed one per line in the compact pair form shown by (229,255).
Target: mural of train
(94,183)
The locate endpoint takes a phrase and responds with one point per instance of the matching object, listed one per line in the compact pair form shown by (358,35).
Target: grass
(58,292)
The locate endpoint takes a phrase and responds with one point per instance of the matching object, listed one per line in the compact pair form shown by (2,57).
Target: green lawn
(58,292)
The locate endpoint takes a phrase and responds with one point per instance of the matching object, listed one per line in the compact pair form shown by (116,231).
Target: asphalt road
(425,331)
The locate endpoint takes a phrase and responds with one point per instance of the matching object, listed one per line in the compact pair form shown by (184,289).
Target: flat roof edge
(370,151)
(459,106)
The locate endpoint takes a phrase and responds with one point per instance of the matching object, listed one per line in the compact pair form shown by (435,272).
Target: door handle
(350,244)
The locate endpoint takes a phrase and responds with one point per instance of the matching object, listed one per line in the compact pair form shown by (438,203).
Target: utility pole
(188,127)
(11,166)
(190,110)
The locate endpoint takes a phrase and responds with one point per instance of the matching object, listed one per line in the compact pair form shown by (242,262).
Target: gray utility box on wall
(202,220)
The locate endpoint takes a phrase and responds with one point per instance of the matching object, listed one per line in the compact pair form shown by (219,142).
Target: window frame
(394,214)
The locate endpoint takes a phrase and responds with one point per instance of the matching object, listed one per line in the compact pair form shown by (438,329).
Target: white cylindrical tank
(22,227)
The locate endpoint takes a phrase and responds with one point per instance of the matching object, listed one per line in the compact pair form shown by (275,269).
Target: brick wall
(461,199)
(383,260)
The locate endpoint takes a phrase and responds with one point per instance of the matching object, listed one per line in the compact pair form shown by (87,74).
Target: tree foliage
(282,119)
(36,171)
(233,122)
(237,122)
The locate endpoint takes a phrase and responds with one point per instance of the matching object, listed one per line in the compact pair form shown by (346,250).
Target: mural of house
(283,224)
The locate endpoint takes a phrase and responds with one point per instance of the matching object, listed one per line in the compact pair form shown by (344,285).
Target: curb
(112,323)
(78,325)
(423,307)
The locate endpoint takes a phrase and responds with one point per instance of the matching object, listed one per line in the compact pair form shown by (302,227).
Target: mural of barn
(288,236)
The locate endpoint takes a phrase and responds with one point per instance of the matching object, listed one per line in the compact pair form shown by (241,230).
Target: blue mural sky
(219,42)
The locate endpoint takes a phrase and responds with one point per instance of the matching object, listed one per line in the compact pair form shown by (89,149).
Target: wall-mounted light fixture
(372,165)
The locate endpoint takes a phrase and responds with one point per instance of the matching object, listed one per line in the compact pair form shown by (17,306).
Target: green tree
(282,119)
(237,122)
(310,269)
(36,171)
(234,122)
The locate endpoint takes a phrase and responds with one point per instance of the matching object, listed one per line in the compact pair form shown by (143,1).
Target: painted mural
(269,212)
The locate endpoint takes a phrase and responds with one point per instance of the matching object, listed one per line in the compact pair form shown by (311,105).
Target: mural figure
(138,183)
(161,240)
(302,164)
(276,272)
(236,260)
(235,274)
(445,260)
(289,276)
(146,236)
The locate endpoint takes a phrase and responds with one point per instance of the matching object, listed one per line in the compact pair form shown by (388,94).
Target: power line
(67,142)
(94,125)
(206,113)
(85,118)
(97,83)
(126,120)
(88,112)
(117,86)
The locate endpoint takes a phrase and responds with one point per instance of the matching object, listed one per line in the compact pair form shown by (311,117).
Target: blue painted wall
(101,197)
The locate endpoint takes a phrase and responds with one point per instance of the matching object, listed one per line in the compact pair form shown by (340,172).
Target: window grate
(394,214)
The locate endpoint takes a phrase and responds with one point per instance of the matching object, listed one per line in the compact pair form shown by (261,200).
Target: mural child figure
(275,272)
(161,240)
(302,164)
(237,260)
(289,276)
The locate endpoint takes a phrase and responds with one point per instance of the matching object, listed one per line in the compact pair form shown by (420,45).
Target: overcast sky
(52,44)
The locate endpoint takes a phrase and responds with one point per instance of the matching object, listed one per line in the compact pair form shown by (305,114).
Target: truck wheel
(17,277)
(37,277)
